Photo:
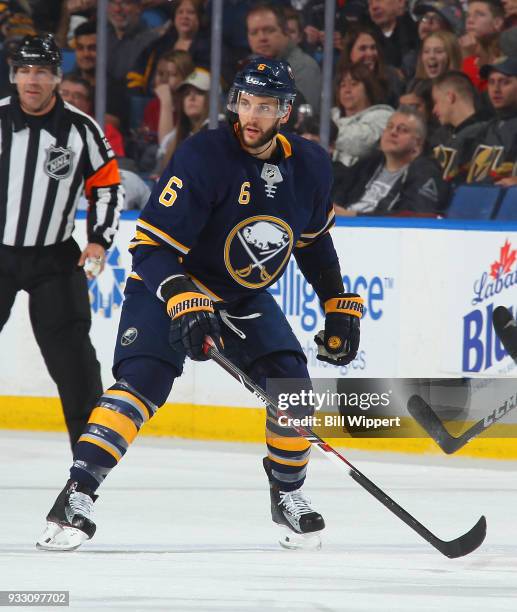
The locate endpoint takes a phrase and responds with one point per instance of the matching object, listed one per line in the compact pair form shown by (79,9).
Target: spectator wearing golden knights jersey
(49,153)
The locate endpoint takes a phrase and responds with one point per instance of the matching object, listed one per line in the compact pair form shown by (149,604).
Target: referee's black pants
(60,315)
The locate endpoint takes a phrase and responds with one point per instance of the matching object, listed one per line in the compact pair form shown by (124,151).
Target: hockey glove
(339,342)
(193,317)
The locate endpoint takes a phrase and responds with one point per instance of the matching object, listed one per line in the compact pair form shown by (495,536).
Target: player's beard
(266,137)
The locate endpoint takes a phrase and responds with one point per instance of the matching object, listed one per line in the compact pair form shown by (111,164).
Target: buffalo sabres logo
(257,250)
(129,336)
(58,164)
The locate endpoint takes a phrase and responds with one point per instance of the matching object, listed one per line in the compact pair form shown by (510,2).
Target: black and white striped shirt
(45,163)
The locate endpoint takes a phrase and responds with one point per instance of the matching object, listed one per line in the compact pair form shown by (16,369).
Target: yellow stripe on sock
(291,462)
(289,444)
(124,395)
(116,421)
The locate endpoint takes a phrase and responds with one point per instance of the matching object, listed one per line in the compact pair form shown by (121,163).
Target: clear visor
(244,103)
(35,74)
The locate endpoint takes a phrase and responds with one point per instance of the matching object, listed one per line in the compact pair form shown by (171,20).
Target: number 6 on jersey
(168,195)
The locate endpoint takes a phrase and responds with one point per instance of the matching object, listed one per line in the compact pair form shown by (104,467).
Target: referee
(49,153)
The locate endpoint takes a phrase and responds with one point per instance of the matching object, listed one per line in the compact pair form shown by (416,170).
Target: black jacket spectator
(419,188)
(495,156)
(403,39)
(457,147)
(494,160)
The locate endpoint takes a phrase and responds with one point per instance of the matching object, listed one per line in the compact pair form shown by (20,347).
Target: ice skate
(291,511)
(69,522)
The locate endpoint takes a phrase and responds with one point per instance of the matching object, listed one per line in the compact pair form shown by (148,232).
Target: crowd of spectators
(425,91)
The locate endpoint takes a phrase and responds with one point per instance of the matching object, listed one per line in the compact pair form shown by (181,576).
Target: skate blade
(59,537)
(299,541)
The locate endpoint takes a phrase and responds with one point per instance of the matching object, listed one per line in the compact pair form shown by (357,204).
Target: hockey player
(219,228)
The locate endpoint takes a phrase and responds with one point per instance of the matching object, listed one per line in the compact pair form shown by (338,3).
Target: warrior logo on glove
(188,302)
(339,341)
(193,318)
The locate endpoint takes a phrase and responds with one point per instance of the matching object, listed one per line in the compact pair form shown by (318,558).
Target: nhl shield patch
(58,164)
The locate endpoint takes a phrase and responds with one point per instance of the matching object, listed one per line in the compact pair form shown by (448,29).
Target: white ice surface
(185,526)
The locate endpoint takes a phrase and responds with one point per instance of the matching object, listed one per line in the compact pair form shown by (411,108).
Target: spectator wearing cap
(494,159)
(397,178)
(485,20)
(454,98)
(398,33)
(193,109)
(267,36)
(358,114)
(361,46)
(433,16)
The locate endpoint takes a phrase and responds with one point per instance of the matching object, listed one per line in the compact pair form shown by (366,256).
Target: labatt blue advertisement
(494,284)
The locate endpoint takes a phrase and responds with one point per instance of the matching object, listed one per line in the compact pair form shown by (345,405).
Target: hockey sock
(112,426)
(287,451)
(289,455)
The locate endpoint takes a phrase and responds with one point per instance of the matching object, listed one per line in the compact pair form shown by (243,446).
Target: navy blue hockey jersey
(230,220)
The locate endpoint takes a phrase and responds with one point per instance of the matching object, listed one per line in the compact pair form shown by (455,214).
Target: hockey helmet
(264,77)
(37,51)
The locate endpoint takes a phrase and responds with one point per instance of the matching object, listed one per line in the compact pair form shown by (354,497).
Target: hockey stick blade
(427,418)
(458,547)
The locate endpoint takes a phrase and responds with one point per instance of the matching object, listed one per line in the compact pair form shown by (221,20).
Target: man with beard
(220,226)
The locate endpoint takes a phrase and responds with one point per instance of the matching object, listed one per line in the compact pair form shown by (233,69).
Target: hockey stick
(427,418)
(506,328)
(458,547)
